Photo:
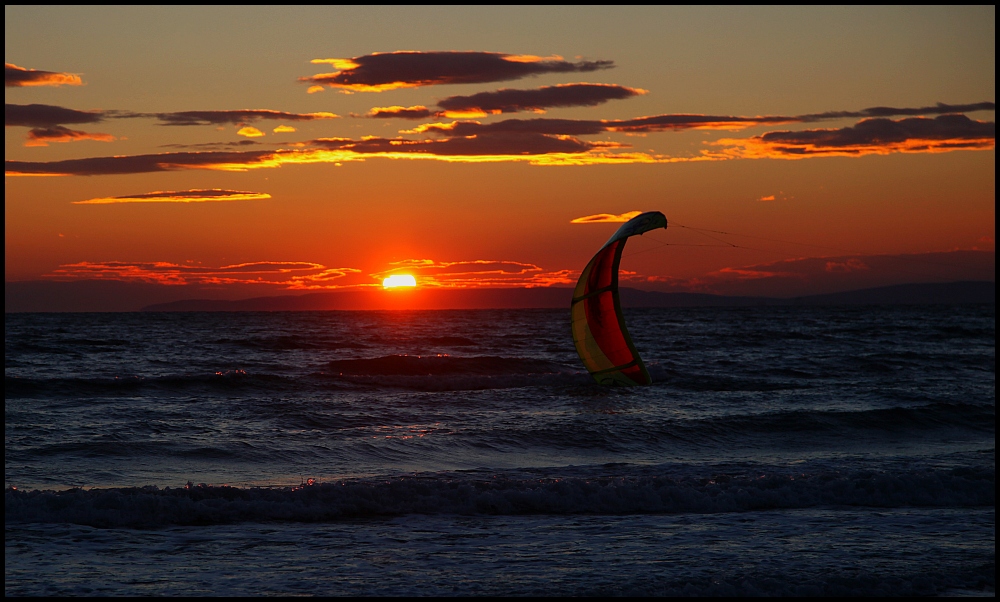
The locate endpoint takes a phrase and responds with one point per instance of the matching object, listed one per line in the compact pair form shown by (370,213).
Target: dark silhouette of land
(902,294)
(83,296)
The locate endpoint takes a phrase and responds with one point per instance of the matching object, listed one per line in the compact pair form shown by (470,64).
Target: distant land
(512,298)
(92,296)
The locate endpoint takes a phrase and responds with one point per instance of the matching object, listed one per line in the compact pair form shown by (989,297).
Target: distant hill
(903,294)
(938,293)
(949,293)
(93,295)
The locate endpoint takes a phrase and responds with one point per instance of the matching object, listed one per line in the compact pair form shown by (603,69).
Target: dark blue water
(780,450)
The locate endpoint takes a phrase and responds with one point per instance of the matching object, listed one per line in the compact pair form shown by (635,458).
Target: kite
(599,330)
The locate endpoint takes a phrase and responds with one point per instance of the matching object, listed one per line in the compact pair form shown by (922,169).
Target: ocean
(779,451)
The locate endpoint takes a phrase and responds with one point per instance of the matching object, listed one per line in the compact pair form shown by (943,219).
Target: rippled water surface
(866,435)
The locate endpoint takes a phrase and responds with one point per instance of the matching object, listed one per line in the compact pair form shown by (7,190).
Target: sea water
(780,451)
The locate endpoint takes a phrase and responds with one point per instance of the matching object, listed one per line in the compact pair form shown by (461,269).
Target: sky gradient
(291,149)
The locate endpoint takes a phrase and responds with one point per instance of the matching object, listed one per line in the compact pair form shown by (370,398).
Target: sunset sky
(275,150)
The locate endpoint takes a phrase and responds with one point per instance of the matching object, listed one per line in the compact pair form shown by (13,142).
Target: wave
(292,342)
(442,372)
(17,387)
(439,372)
(456,494)
(442,365)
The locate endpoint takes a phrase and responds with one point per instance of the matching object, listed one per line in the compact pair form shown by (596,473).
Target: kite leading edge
(599,329)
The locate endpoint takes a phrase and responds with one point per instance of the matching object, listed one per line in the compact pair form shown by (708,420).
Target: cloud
(584,127)
(283,129)
(305,275)
(542,126)
(605,218)
(938,109)
(684,121)
(214,145)
(16,77)
(493,145)
(870,136)
(533,149)
(46,123)
(512,101)
(58,133)
(131,164)
(235,117)
(408,69)
(42,116)
(286,274)
(397,112)
(477,273)
(250,132)
(769,197)
(547,142)
(197,195)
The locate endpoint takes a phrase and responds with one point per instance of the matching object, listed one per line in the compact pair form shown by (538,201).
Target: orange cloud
(415,112)
(409,69)
(477,273)
(605,218)
(279,273)
(300,275)
(534,150)
(585,127)
(870,136)
(47,122)
(58,133)
(250,132)
(16,77)
(283,129)
(550,142)
(202,195)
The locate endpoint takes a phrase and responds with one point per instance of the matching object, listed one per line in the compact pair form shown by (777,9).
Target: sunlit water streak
(467,452)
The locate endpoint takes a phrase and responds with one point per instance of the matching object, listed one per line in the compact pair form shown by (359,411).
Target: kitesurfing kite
(599,330)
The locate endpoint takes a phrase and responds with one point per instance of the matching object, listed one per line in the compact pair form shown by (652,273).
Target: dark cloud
(58,133)
(387,71)
(197,195)
(541,125)
(214,145)
(556,141)
(46,123)
(938,109)
(16,77)
(674,122)
(43,116)
(496,144)
(512,101)
(130,164)
(582,127)
(236,117)
(913,133)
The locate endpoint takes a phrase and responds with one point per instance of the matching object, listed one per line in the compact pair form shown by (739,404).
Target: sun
(397,280)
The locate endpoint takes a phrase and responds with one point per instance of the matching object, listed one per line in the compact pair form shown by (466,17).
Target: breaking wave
(457,494)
